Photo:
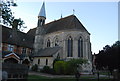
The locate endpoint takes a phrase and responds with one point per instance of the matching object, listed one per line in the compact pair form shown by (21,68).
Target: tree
(108,58)
(7,15)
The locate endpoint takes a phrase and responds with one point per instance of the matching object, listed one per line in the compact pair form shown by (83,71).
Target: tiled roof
(16,38)
(69,22)
(47,52)
(4,53)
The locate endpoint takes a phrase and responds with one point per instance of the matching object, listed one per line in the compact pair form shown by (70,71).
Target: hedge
(67,67)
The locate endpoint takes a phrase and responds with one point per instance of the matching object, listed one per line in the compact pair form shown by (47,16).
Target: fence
(15,71)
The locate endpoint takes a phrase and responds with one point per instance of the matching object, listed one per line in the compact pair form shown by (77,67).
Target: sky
(99,18)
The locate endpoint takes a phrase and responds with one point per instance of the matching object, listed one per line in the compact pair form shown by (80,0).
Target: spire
(42,11)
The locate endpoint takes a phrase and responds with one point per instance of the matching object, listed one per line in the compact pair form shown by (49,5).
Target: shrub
(34,67)
(59,67)
(47,69)
(74,63)
(68,67)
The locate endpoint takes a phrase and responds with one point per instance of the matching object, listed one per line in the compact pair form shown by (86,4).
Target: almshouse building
(16,45)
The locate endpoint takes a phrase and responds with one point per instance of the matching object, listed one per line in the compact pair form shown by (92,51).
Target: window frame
(80,47)
(70,47)
(10,48)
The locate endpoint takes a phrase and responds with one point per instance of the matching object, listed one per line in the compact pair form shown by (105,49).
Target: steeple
(42,12)
(41,16)
(39,38)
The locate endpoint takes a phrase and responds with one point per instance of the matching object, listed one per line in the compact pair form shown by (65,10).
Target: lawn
(41,78)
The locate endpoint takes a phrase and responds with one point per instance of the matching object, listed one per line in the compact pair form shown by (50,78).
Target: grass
(104,72)
(41,78)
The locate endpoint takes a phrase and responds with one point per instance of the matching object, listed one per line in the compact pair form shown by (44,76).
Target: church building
(65,38)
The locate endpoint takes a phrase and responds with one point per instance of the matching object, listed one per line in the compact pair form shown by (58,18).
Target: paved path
(61,76)
(49,75)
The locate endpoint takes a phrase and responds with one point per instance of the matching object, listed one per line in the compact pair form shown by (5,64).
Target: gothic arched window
(70,47)
(80,47)
(56,42)
(43,22)
(48,43)
(39,22)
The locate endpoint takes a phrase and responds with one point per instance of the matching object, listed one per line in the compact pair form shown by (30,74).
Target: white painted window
(23,50)
(10,48)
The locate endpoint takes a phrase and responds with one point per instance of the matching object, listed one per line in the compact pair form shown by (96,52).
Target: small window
(10,48)
(46,61)
(38,61)
(23,50)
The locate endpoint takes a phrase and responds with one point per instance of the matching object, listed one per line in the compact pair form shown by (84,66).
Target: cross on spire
(73,11)
(61,13)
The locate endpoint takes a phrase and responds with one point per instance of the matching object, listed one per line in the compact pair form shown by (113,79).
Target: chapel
(65,38)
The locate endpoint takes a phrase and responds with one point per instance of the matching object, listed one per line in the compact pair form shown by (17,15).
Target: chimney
(15,24)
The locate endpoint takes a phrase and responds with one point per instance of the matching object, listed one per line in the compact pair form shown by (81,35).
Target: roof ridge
(59,19)
(12,29)
(68,22)
(16,37)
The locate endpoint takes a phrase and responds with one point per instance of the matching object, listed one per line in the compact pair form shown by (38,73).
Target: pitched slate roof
(16,38)
(69,22)
(47,52)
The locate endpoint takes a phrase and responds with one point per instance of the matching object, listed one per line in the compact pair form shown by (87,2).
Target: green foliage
(7,15)
(17,23)
(55,60)
(34,67)
(111,53)
(47,69)
(59,67)
(68,67)
(75,62)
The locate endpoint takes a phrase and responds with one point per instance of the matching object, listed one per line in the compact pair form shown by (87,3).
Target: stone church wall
(62,37)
